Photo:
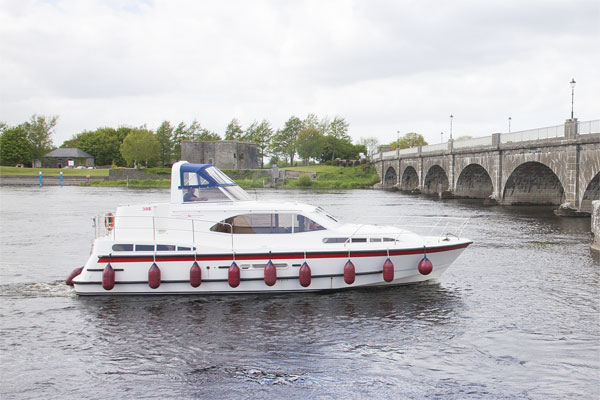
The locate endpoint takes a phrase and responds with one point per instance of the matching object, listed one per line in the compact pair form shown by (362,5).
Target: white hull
(327,271)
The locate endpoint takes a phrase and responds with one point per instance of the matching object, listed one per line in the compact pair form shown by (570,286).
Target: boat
(213,238)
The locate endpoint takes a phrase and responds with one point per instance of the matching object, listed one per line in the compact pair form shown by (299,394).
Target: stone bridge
(557,165)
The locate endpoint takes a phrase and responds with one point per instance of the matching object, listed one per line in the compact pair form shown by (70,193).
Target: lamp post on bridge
(509,119)
(572,94)
(442,137)
(451,116)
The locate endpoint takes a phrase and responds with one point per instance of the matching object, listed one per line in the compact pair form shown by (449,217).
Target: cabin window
(256,224)
(165,247)
(305,224)
(144,247)
(335,240)
(267,224)
(179,248)
(122,247)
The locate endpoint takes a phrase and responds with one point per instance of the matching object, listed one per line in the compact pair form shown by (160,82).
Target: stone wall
(224,154)
(595,245)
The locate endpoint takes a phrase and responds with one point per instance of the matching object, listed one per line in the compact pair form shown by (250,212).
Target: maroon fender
(154,276)
(305,275)
(425,266)
(72,275)
(349,273)
(195,275)
(270,274)
(388,270)
(233,275)
(108,277)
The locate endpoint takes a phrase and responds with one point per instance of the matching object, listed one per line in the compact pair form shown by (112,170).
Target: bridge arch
(533,183)
(474,182)
(592,192)
(436,181)
(410,179)
(390,177)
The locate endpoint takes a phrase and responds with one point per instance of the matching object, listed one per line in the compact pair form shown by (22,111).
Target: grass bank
(325,177)
(332,177)
(52,171)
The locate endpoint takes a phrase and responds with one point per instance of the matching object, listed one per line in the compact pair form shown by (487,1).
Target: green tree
(208,136)
(338,129)
(409,140)
(344,149)
(261,134)
(39,134)
(234,130)
(103,143)
(180,134)
(14,146)
(284,141)
(140,145)
(310,143)
(164,135)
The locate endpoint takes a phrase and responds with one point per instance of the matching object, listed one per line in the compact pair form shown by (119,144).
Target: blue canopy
(207,176)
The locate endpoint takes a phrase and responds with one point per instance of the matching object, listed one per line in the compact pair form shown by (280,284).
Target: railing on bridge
(588,127)
(389,154)
(412,150)
(434,147)
(533,134)
(476,142)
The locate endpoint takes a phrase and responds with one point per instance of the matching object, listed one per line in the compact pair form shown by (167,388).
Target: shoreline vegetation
(310,177)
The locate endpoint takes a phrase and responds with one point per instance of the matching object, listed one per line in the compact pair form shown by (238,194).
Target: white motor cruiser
(212,238)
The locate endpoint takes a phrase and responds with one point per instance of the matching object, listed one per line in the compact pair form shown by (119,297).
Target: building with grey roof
(68,157)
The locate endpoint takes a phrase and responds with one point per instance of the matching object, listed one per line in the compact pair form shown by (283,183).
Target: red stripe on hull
(280,256)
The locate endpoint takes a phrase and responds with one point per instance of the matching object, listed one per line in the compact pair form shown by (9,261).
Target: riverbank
(305,177)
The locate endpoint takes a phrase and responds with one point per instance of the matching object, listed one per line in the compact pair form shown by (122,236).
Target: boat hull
(327,271)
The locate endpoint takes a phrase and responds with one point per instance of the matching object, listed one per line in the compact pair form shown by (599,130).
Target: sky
(386,67)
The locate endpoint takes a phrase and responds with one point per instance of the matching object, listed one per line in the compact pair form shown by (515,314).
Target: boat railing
(153,228)
(437,226)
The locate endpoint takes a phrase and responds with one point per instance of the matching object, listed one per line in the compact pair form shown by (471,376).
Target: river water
(516,316)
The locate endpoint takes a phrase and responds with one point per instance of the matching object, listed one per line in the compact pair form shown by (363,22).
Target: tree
(207,136)
(14,146)
(140,145)
(103,143)
(310,143)
(180,134)
(338,129)
(261,134)
(409,140)
(164,135)
(344,149)
(39,134)
(284,141)
(370,144)
(234,130)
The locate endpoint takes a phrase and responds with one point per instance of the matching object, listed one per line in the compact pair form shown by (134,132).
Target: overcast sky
(384,66)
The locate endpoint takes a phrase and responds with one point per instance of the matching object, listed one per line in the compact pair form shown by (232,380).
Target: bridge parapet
(588,127)
(549,132)
(476,142)
(435,147)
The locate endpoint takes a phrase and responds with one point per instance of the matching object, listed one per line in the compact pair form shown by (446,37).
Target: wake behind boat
(213,238)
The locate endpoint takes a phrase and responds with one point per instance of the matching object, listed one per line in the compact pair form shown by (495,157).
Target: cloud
(383,65)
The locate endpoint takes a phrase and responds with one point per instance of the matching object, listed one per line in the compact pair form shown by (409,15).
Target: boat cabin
(203,182)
